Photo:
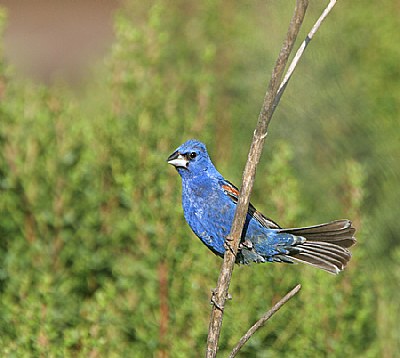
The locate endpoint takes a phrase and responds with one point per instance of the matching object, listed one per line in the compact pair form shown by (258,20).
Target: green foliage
(96,257)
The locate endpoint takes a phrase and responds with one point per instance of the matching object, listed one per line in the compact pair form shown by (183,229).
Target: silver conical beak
(177,160)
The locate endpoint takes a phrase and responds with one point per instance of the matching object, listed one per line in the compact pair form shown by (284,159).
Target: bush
(97,259)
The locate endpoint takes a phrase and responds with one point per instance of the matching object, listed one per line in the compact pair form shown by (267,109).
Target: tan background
(48,39)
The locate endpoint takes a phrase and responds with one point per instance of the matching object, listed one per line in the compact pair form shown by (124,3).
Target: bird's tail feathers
(325,245)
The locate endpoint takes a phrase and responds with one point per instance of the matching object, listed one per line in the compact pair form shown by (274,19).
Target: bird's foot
(228,246)
(246,244)
(214,302)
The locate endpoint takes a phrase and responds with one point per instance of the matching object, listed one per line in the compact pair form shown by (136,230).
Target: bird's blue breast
(209,212)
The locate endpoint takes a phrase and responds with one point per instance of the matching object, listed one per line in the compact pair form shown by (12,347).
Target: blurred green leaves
(95,255)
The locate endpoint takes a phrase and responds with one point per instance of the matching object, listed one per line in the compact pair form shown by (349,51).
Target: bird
(209,202)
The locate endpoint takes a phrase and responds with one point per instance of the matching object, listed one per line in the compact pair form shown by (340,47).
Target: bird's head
(191,159)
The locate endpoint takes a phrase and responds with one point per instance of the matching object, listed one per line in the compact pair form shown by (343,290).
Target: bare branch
(282,87)
(271,101)
(260,323)
(221,291)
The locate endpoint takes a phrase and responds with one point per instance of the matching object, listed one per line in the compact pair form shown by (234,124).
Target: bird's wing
(233,193)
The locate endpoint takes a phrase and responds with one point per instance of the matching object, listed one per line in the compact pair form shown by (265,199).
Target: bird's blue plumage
(209,204)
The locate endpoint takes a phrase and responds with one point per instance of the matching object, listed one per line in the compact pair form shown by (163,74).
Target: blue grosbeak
(209,203)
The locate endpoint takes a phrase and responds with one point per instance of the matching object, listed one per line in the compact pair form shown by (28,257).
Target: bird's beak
(178,160)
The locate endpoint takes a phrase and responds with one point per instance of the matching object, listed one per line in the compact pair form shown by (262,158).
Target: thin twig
(263,320)
(301,50)
(221,291)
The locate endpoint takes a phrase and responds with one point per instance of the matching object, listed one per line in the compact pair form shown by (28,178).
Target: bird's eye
(193,155)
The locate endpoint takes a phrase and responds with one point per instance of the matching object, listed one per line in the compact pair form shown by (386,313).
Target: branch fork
(274,93)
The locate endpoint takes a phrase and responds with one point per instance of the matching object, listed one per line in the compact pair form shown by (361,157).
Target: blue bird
(209,204)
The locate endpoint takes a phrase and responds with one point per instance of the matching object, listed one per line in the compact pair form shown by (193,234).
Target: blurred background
(96,258)
(47,39)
